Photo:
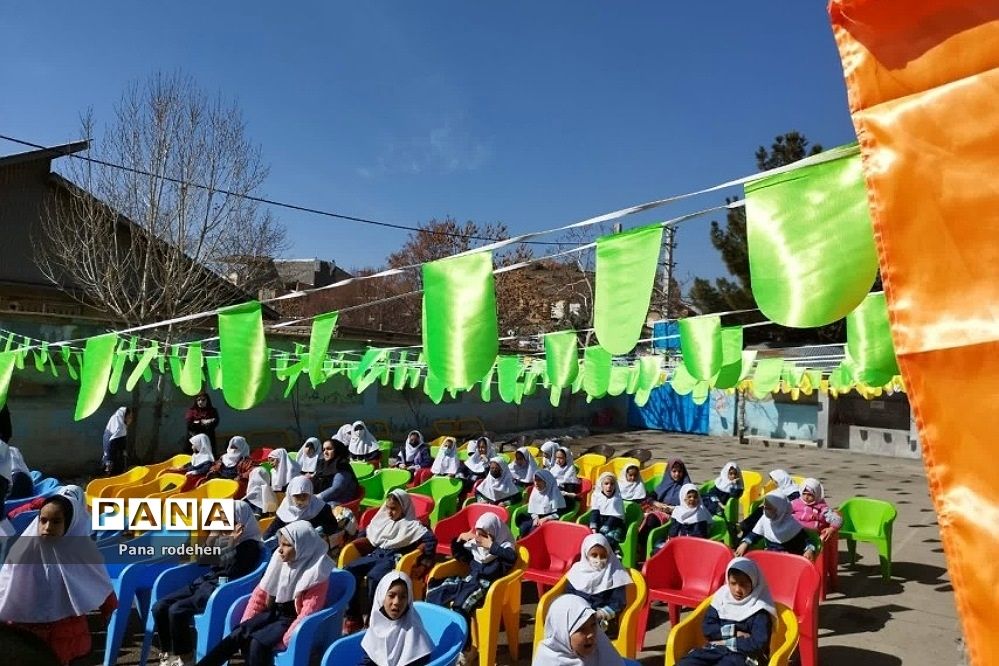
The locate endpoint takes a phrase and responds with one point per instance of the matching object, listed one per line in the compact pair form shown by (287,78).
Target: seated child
(631,485)
(201,461)
(414,455)
(690,518)
(778,528)
(599,579)
(573,637)
(476,465)
(300,503)
(498,488)
(548,450)
(544,504)
(607,510)
(738,622)
(308,456)
(363,445)
(293,587)
(564,471)
(523,467)
(234,464)
(728,486)
(259,494)
(446,463)
(490,553)
(785,487)
(812,511)
(660,504)
(283,469)
(396,636)
(174,613)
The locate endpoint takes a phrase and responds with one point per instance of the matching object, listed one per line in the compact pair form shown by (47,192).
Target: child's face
(690,499)
(733,474)
(519,457)
(495,471)
(301,500)
(631,474)
(396,600)
(482,533)
(739,585)
(286,551)
(560,458)
(539,483)
(413,438)
(233,449)
(597,557)
(482,448)
(273,461)
(394,508)
(808,496)
(583,641)
(676,472)
(608,485)
(51,521)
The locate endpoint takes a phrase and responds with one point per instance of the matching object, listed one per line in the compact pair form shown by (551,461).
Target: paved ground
(909,620)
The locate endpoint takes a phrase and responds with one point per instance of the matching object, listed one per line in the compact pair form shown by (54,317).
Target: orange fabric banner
(923,84)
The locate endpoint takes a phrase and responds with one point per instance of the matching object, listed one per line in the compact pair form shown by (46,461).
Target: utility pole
(669,242)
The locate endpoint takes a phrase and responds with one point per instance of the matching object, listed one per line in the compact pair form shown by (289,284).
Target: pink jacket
(306,603)
(816,516)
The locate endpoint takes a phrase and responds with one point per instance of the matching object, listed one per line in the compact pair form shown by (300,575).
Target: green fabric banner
(766,379)
(98,356)
(561,358)
(191,379)
(701,346)
(214,367)
(811,244)
(509,369)
(433,388)
(648,373)
(618,383)
(400,372)
(731,353)
(460,335)
(596,371)
(868,341)
(486,390)
(6,372)
(626,272)
(319,344)
(841,379)
(682,382)
(118,367)
(246,373)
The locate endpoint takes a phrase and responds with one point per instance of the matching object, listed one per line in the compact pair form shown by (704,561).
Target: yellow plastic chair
(534,451)
(587,465)
(264,523)
(165,484)
(502,604)
(658,469)
(688,634)
(752,490)
(161,467)
(105,487)
(626,642)
(352,551)
(798,481)
(615,466)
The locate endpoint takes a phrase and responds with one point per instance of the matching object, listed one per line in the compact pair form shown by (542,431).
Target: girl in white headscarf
(631,485)
(573,637)
(446,463)
(392,533)
(308,455)
(498,487)
(490,553)
(234,464)
(738,622)
(480,452)
(785,487)
(300,503)
(414,454)
(362,444)
(284,469)
(523,467)
(259,493)
(54,575)
(689,518)
(294,586)
(778,529)
(544,504)
(395,636)
(548,450)
(727,486)
(599,578)
(813,512)
(607,510)
(201,462)
(115,438)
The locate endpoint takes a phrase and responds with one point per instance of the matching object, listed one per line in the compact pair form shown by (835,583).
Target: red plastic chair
(829,565)
(355,504)
(683,574)
(585,488)
(553,548)
(421,476)
(260,455)
(423,505)
(448,528)
(794,582)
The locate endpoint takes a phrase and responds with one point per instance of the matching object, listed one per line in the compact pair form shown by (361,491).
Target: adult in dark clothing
(115,440)
(300,503)
(334,480)
(203,418)
(21,484)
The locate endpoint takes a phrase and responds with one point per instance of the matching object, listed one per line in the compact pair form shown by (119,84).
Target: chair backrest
(98,486)
(164,483)
(423,505)
(362,470)
(448,528)
(391,479)
(341,585)
(654,471)
(617,465)
(260,455)
(588,463)
(865,514)
(688,563)
(556,545)
(437,487)
(445,628)
(793,580)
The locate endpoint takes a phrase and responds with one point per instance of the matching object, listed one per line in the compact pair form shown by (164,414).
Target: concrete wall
(779,418)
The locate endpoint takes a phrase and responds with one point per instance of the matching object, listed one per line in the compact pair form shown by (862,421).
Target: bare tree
(156,222)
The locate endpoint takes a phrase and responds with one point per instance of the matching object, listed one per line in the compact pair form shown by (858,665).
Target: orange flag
(923,84)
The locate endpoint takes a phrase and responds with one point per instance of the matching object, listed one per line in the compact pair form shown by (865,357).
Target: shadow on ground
(842,655)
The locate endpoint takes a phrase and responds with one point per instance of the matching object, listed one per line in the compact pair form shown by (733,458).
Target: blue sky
(536,114)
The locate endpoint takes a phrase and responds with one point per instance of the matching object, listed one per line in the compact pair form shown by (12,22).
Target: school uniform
(782,533)
(362,444)
(567,478)
(446,462)
(499,491)
(400,642)
(114,441)
(819,515)
(542,504)
(259,494)
(476,465)
(202,460)
(723,490)
(668,493)
(523,474)
(317,512)
(284,469)
(689,521)
(785,487)
(567,614)
(414,456)
(607,512)
(235,464)
(603,589)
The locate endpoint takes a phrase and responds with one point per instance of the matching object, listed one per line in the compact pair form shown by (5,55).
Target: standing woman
(115,438)
(363,445)
(202,418)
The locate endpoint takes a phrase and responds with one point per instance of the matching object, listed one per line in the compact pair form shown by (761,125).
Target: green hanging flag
(486,390)
(648,373)
(176,365)
(682,382)
(596,371)
(561,358)
(246,372)
(460,336)
(400,372)
(869,343)
(118,367)
(433,388)
(626,272)
(6,372)
(214,367)
(701,345)
(577,383)
(767,377)
(531,376)
(699,394)
(811,244)
(319,344)
(618,383)
(95,373)
(731,352)
(191,379)
(509,369)
(841,379)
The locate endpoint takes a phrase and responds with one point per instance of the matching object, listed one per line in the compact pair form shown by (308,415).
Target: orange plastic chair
(794,581)
(463,521)
(626,642)
(553,547)
(683,573)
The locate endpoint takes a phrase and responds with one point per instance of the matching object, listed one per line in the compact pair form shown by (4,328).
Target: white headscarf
(685,515)
(475,462)
(566,615)
(411,450)
(245,517)
(237,450)
(497,529)
(723,483)
(201,448)
(759,599)
(631,490)
(593,581)
(548,450)
(311,566)
(446,461)
(284,470)
(383,532)
(499,489)
(567,474)
(783,527)
(362,443)
(395,642)
(17,463)
(259,492)
(607,506)
(116,424)
(547,501)
(344,434)
(306,462)
(524,473)
(289,512)
(814,486)
(60,577)
(785,484)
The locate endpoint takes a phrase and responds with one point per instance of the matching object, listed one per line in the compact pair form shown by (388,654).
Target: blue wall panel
(667,410)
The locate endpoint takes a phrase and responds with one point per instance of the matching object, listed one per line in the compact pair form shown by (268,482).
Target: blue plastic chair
(134,584)
(447,631)
(35,475)
(21,521)
(116,562)
(319,629)
(43,488)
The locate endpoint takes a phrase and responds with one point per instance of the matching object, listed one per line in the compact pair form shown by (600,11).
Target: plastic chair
(633,516)
(159,468)
(445,492)
(794,581)
(502,603)
(385,446)
(261,454)
(683,573)
(626,642)
(870,520)
(420,476)
(688,635)
(380,484)
(553,548)
(44,488)
(752,484)
(447,631)
(588,463)
(463,521)
(642,455)
(422,505)
(654,471)
(101,487)
(313,632)
(717,531)
(163,485)
(615,466)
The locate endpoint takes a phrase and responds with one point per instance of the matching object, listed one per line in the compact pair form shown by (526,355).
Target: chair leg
(541,589)
(884,553)
(488,633)
(674,614)
(851,548)
(511,623)
(643,624)
(832,563)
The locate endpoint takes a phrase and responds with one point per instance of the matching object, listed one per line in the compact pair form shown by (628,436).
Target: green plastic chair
(380,484)
(385,447)
(870,520)
(362,470)
(731,510)
(633,515)
(717,531)
(293,455)
(444,491)
(652,483)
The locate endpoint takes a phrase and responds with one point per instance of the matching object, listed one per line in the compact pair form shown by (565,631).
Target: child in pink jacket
(812,511)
